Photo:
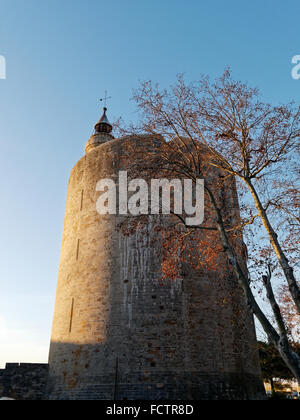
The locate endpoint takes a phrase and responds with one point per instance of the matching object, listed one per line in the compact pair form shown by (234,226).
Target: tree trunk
(272,387)
(287,269)
(291,359)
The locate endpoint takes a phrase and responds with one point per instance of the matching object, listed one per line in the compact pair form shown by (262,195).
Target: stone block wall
(24,381)
(118,332)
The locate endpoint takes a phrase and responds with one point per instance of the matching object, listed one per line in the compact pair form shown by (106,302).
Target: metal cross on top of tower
(105,99)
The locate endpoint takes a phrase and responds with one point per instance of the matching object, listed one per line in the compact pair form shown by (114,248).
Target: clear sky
(61,55)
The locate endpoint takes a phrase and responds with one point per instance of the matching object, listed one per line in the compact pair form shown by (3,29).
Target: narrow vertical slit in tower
(81,203)
(116,378)
(77,251)
(71,316)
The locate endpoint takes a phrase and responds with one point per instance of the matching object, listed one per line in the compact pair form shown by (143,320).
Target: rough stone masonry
(120,334)
(24,381)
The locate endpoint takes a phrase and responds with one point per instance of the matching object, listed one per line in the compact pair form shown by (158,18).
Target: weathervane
(105,99)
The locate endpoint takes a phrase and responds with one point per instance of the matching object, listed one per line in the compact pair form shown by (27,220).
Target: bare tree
(248,140)
(247,137)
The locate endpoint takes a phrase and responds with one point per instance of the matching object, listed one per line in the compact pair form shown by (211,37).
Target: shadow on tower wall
(173,345)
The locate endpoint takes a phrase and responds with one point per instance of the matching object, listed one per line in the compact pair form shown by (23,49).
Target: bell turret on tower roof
(103,125)
(102,133)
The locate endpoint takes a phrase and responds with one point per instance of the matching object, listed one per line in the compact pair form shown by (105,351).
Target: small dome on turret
(103,125)
(102,133)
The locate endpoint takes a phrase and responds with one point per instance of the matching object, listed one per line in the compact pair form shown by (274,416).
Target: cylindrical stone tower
(119,333)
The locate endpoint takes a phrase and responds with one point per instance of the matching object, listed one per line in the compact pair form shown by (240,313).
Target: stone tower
(120,334)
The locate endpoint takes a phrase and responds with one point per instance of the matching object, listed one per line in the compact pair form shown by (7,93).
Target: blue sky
(61,56)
